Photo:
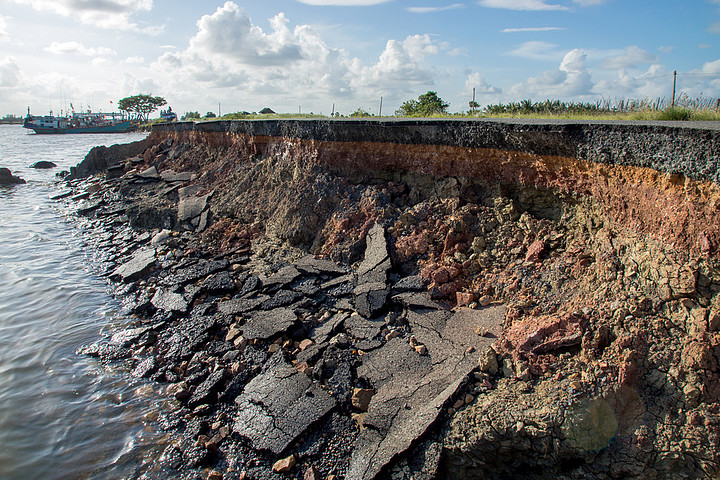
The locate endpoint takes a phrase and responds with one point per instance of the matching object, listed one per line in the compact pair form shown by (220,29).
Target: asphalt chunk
(278,405)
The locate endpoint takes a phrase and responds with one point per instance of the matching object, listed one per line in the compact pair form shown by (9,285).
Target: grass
(685,109)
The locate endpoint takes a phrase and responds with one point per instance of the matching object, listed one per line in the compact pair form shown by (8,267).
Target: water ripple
(61,415)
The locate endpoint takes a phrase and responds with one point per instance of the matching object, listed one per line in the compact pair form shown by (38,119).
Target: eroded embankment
(586,254)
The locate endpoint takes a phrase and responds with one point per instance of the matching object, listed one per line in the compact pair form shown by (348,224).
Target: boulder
(43,164)
(7,178)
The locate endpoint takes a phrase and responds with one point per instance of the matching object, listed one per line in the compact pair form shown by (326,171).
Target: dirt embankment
(600,243)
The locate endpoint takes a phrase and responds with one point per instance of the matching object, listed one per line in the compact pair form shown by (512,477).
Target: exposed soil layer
(517,300)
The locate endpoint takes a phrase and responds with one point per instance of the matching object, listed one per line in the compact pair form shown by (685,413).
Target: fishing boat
(82,122)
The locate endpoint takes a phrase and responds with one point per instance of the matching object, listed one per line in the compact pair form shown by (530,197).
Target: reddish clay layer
(678,211)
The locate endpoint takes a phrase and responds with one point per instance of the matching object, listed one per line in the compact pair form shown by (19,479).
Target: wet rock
(43,164)
(185,338)
(104,351)
(264,325)
(195,456)
(7,178)
(145,368)
(206,392)
(90,207)
(128,336)
(170,301)
(195,272)
(278,405)
(141,262)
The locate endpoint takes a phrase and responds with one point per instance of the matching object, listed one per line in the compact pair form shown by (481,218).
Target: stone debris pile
(311,356)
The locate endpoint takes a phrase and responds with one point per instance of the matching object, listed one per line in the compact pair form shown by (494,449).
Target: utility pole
(380,112)
(674,83)
(219,111)
(333,111)
(473,104)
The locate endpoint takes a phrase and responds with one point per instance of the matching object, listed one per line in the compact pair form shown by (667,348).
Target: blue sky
(306,55)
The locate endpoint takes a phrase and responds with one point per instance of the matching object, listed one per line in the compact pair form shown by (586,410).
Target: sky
(324,56)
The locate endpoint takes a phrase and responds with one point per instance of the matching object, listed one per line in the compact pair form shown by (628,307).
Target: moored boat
(83,122)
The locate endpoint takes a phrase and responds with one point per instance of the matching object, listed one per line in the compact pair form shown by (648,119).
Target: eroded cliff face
(601,241)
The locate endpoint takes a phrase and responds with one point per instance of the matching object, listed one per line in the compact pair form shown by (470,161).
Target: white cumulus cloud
(532,5)
(632,57)
(454,6)
(571,79)
(712,67)
(76,48)
(531,29)
(344,3)
(482,87)
(537,50)
(108,14)
(9,72)
(290,64)
(4,35)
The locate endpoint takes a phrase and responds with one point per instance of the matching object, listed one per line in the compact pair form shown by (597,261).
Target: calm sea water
(61,415)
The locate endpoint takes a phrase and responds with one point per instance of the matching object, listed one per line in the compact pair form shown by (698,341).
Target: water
(61,415)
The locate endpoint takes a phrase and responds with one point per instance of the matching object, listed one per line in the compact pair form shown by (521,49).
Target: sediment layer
(510,299)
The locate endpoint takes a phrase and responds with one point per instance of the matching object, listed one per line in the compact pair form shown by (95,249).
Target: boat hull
(122,127)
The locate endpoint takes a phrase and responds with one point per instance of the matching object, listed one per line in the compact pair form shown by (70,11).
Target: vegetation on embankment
(430,105)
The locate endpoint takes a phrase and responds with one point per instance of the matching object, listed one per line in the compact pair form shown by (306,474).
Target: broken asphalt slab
(278,405)
(376,263)
(142,261)
(412,389)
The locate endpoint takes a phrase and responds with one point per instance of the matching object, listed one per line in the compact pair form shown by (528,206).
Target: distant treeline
(10,120)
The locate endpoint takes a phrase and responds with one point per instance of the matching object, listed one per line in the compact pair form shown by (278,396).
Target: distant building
(267,111)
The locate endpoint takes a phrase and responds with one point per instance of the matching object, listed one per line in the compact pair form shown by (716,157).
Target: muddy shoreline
(319,305)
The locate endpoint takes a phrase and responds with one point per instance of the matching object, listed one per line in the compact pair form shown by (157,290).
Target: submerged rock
(43,164)
(7,178)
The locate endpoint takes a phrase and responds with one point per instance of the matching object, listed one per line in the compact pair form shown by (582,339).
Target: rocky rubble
(308,324)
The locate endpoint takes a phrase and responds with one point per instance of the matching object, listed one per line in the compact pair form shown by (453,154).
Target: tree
(210,115)
(473,106)
(427,105)
(191,115)
(141,105)
(360,113)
